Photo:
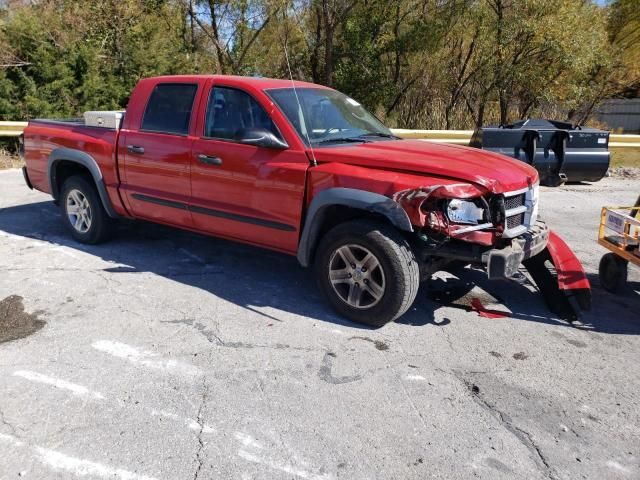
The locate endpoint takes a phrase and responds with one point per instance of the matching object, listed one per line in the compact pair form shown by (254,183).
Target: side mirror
(260,137)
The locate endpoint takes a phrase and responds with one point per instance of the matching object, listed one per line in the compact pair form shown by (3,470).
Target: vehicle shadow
(255,278)
(615,314)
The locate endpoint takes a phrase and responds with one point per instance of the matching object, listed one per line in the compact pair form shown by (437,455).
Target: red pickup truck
(307,171)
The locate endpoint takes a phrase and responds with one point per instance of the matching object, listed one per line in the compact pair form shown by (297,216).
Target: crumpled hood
(497,173)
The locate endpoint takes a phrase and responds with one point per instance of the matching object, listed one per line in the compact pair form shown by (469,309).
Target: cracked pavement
(170,355)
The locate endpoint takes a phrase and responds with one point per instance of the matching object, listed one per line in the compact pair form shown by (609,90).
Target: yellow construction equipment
(619,233)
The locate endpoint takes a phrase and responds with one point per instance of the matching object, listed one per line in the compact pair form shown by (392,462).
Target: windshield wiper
(342,139)
(379,134)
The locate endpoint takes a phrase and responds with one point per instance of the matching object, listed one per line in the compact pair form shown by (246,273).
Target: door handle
(208,160)
(135,149)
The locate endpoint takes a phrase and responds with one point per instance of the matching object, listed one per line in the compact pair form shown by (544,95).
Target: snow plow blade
(561,279)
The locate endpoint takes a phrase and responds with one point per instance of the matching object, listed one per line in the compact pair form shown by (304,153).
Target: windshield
(326,116)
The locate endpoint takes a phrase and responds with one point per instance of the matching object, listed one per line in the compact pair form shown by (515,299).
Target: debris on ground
(483,311)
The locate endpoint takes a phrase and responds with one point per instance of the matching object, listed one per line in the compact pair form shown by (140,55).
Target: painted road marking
(250,443)
(74,388)
(144,358)
(283,467)
(189,422)
(76,466)
(83,391)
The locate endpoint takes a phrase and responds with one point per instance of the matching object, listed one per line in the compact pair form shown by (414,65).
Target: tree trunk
(315,53)
(504,107)
(222,68)
(329,29)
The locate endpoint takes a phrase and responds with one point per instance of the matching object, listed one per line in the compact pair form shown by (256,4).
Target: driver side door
(244,192)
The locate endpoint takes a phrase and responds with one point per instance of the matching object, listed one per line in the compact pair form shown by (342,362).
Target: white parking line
(189,422)
(83,391)
(283,467)
(76,466)
(135,356)
(247,440)
(37,243)
(74,388)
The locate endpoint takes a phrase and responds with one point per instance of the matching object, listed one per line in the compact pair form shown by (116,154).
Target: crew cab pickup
(307,171)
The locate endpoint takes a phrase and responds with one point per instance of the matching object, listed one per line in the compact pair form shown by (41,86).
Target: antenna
(303,123)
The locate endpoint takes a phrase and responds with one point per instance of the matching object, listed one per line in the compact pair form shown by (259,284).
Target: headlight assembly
(464,211)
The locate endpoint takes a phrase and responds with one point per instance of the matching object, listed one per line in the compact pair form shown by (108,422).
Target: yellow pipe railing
(457,137)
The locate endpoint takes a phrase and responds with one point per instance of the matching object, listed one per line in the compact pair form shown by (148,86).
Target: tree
(415,63)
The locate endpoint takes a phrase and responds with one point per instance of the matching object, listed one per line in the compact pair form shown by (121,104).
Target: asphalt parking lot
(168,355)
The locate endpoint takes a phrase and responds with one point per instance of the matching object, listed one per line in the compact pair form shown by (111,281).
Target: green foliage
(86,55)
(417,63)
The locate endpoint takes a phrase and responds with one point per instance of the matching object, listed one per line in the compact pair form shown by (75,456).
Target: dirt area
(625,172)
(625,158)
(9,160)
(15,323)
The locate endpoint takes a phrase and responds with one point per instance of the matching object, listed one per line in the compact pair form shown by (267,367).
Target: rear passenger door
(157,162)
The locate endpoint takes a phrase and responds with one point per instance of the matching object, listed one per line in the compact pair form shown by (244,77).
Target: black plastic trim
(349,197)
(25,175)
(87,161)
(215,213)
(160,201)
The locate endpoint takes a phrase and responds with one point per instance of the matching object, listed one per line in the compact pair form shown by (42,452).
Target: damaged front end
(459,223)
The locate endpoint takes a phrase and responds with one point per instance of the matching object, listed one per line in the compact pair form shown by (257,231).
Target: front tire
(367,272)
(82,211)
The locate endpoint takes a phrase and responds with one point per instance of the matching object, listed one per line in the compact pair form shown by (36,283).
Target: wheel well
(64,169)
(333,215)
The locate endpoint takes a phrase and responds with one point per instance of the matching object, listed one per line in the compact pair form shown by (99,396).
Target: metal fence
(620,114)
(12,129)
(463,137)
(457,137)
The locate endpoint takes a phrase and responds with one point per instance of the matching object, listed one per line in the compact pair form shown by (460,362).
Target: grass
(625,158)
(9,160)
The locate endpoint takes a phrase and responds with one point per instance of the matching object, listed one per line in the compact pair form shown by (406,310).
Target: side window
(230,110)
(169,108)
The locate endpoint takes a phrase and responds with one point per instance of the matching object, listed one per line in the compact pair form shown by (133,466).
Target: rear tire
(367,272)
(82,211)
(612,272)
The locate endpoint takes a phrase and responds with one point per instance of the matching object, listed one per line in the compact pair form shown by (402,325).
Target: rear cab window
(169,108)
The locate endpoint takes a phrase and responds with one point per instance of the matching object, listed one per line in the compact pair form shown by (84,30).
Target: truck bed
(43,136)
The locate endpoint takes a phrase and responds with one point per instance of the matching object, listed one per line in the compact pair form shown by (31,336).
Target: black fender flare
(87,161)
(349,197)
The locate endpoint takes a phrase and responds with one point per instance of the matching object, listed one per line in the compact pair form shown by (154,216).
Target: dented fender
(413,199)
(560,278)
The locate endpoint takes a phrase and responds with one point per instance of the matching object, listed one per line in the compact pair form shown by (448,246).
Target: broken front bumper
(560,278)
(504,263)
(552,265)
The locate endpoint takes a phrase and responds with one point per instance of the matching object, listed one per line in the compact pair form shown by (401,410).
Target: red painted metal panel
(571,274)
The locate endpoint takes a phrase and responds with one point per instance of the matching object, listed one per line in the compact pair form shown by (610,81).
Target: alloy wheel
(356,276)
(78,211)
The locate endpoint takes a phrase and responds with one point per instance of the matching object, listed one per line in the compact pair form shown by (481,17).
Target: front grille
(520,211)
(514,202)
(515,221)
